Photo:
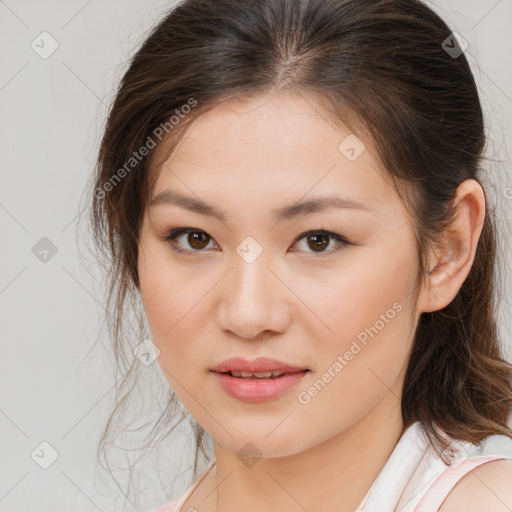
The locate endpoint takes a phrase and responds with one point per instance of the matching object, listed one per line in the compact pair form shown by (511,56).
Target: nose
(254,302)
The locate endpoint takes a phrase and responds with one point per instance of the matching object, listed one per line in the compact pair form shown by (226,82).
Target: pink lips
(254,389)
(261,364)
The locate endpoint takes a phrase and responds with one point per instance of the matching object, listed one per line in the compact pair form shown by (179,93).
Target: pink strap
(446,481)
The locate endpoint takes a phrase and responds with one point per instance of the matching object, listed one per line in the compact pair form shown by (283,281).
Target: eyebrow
(171,197)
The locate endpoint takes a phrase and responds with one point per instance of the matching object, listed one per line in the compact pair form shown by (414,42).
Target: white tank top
(414,476)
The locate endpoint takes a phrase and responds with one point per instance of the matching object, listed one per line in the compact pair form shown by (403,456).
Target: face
(326,288)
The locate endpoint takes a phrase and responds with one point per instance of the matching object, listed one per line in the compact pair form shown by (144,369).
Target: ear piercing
(428,272)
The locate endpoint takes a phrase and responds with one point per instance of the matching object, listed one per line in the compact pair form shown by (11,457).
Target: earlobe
(429,294)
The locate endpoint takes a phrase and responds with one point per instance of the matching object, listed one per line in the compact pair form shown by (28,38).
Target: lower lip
(258,390)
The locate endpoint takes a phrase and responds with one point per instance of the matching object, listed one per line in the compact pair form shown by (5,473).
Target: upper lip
(261,364)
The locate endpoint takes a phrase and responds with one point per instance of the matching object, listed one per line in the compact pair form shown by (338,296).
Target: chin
(257,442)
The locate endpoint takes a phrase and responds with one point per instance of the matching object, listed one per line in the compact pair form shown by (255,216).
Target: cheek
(172,331)
(344,303)
(177,308)
(363,358)
(170,306)
(365,332)
(167,293)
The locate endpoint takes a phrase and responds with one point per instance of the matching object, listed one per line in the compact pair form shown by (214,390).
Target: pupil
(193,241)
(321,245)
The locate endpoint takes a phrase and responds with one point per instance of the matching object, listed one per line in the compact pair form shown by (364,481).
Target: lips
(258,389)
(259,365)
(273,378)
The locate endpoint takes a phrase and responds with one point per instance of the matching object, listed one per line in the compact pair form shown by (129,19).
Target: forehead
(270,149)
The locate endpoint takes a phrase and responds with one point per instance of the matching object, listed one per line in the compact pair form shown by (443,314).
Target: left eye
(198,240)
(320,240)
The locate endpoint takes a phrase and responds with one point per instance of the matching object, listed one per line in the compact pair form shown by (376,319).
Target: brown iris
(321,241)
(198,239)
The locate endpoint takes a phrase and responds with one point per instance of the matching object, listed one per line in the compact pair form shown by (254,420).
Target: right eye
(196,238)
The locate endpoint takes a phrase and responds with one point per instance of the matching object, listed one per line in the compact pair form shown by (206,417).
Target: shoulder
(487,487)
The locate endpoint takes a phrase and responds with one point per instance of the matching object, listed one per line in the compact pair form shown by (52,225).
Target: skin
(485,488)
(293,303)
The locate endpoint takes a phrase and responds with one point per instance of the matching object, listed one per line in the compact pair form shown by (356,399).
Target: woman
(294,191)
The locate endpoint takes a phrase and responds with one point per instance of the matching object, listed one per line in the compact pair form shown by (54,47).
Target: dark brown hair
(383,68)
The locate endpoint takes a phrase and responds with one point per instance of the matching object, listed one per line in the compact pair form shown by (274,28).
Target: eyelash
(173,234)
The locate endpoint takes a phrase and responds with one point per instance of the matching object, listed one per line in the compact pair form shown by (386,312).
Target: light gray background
(56,378)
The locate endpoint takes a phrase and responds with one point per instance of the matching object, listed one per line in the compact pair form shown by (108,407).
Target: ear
(453,259)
